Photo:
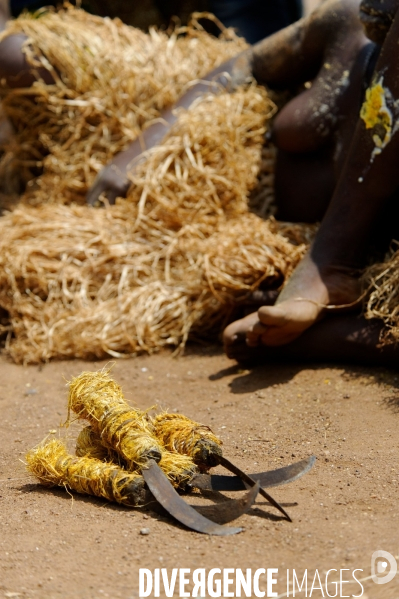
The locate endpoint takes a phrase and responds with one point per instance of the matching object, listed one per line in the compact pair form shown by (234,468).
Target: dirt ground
(343,510)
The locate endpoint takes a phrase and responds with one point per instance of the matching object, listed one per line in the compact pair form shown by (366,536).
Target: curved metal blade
(272,478)
(249,481)
(222,513)
(166,495)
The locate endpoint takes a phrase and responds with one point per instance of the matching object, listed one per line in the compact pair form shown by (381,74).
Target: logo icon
(383,562)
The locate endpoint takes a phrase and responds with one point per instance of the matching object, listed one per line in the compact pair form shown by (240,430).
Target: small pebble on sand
(145,531)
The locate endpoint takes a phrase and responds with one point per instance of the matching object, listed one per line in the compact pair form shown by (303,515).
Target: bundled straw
(101,468)
(96,397)
(88,444)
(179,434)
(113,451)
(54,466)
(178,468)
(171,260)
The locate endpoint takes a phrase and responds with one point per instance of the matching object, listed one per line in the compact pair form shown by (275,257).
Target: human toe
(254,334)
(272,316)
(233,332)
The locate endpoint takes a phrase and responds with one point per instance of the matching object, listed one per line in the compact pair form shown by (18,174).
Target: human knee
(12,59)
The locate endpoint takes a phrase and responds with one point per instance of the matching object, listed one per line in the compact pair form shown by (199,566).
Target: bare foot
(338,338)
(302,302)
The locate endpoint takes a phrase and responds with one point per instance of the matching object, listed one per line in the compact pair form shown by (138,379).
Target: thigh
(304,185)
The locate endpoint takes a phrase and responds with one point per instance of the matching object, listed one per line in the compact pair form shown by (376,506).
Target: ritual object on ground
(88,444)
(96,397)
(104,466)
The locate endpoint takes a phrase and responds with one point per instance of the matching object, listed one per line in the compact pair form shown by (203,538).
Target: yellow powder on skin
(375,113)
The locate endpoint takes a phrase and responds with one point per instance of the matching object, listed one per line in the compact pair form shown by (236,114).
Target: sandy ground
(343,510)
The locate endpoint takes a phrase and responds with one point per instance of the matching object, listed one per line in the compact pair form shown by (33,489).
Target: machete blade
(272,478)
(167,496)
(249,481)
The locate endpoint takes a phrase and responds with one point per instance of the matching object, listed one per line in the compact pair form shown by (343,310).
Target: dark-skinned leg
(326,276)
(305,181)
(304,195)
(308,122)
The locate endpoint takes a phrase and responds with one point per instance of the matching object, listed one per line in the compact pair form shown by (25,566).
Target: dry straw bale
(78,283)
(172,259)
(111,80)
(381,281)
(204,169)
(51,463)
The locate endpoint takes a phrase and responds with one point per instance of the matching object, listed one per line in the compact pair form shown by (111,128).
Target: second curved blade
(271,478)
(250,481)
(222,513)
(167,496)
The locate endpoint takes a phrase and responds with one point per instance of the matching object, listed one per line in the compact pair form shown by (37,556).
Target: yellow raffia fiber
(88,444)
(97,398)
(104,465)
(171,261)
(52,464)
(179,469)
(180,434)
